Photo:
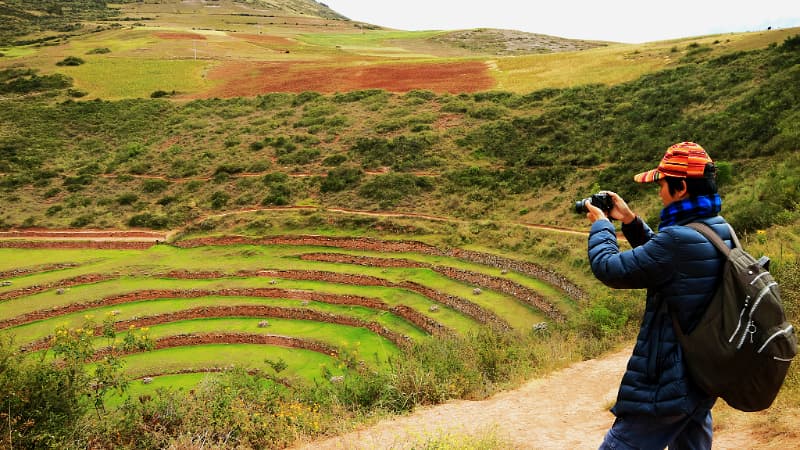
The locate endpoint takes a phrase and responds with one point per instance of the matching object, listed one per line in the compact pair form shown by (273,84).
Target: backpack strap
(714,238)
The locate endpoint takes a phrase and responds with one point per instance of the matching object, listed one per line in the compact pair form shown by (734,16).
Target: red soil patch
(102,245)
(37,233)
(76,281)
(244,311)
(187,340)
(36,269)
(185,36)
(246,78)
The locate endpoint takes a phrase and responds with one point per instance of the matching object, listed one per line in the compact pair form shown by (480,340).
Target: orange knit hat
(683,160)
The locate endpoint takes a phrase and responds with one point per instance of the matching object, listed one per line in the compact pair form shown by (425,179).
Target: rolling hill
(340,220)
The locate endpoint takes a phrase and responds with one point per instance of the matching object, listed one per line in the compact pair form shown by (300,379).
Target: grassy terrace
(180,290)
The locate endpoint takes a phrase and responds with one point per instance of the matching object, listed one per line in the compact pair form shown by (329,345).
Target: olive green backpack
(742,347)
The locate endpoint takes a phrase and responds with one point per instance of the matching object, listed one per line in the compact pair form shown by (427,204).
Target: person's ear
(683,191)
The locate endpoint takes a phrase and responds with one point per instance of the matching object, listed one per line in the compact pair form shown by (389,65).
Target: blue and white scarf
(690,208)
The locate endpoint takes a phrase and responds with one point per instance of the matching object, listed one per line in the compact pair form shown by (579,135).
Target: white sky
(631,21)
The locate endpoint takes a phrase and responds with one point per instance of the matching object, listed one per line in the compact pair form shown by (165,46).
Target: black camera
(601,200)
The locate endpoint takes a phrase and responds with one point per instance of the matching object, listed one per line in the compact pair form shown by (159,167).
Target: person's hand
(594,213)
(620,211)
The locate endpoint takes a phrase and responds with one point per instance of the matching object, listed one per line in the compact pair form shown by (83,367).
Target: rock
(60,291)
(147,380)
(6,283)
(263,324)
(539,327)
(337,378)
(433,308)
(273,282)
(304,303)
(477,291)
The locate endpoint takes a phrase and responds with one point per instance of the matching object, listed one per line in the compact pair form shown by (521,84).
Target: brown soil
(75,281)
(566,410)
(186,340)
(36,269)
(244,311)
(248,78)
(86,234)
(180,36)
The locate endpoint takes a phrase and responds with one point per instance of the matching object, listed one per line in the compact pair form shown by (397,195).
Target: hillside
(254,223)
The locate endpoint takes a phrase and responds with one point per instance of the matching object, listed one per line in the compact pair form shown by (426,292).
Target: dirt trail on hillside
(566,410)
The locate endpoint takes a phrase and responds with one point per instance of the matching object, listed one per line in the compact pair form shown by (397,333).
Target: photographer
(657,404)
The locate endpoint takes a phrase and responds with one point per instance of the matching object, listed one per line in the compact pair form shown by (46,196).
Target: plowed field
(241,78)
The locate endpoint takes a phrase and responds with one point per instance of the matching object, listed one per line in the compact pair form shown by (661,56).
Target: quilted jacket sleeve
(645,266)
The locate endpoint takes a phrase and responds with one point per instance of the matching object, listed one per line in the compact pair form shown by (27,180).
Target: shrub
(148,220)
(354,96)
(301,157)
(279,195)
(128,198)
(99,51)
(341,178)
(230,169)
(159,94)
(305,97)
(154,186)
(70,61)
(400,153)
(390,189)
(82,221)
(791,44)
(219,199)
(334,160)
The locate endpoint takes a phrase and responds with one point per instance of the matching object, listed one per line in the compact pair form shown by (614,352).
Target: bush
(341,178)
(334,160)
(99,51)
(154,186)
(82,221)
(390,189)
(159,94)
(400,153)
(148,220)
(301,157)
(128,198)
(279,195)
(219,199)
(70,61)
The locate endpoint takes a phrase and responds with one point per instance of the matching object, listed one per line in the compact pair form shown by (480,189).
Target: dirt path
(566,410)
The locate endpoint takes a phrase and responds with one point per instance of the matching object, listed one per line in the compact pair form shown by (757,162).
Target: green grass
(37,330)
(84,293)
(368,40)
(161,259)
(370,347)
(117,78)
(301,363)
(16,52)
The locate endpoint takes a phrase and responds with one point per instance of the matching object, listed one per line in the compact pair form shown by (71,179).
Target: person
(657,404)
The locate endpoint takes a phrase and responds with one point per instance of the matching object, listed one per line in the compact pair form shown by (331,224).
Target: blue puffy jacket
(679,266)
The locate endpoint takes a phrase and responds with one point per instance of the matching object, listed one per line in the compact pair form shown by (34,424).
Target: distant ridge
(300,7)
(512,42)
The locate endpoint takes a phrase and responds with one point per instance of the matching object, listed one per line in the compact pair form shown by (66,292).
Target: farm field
(261,222)
(199,52)
(198,303)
